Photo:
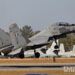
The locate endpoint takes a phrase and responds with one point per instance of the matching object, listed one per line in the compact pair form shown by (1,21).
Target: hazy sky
(37,13)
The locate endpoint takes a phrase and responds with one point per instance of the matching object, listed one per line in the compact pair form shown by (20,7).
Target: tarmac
(37,66)
(32,66)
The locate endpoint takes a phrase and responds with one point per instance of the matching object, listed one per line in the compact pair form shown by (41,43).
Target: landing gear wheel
(37,54)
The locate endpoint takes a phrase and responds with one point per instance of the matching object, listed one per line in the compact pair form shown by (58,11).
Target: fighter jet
(43,38)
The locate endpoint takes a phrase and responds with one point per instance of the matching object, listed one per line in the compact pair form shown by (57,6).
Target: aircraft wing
(32,47)
(39,40)
(41,37)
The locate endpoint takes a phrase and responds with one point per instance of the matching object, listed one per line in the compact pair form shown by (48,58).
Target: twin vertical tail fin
(53,45)
(62,49)
(52,48)
(73,49)
(16,36)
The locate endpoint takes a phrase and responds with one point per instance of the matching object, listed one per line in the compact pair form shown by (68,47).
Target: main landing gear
(37,54)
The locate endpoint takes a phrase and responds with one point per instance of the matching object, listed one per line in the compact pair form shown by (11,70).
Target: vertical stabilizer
(53,45)
(62,49)
(73,49)
(16,36)
(51,49)
(4,39)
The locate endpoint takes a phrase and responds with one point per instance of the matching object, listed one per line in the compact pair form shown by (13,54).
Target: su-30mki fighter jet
(43,38)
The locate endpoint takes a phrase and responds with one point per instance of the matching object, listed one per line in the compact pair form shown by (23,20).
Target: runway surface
(43,66)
